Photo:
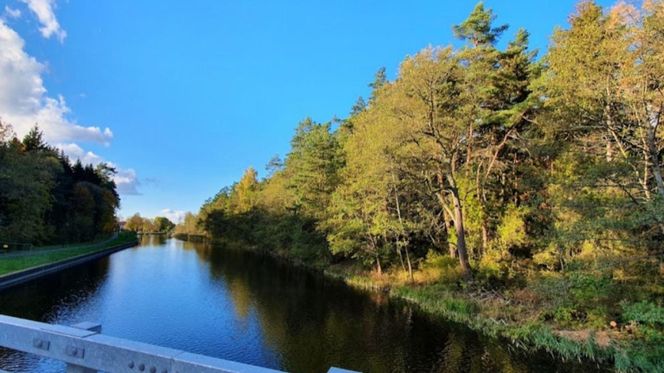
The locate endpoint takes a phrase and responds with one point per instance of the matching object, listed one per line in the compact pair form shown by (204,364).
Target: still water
(253,309)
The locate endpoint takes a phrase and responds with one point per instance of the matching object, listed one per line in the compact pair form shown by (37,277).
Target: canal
(253,309)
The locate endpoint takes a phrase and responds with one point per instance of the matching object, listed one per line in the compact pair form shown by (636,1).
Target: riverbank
(630,341)
(19,269)
(501,315)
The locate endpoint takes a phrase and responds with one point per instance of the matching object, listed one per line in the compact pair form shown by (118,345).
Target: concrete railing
(85,350)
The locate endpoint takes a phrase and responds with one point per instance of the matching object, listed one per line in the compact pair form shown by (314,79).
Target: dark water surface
(252,309)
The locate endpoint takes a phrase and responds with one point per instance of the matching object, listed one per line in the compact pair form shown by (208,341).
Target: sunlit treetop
(477,28)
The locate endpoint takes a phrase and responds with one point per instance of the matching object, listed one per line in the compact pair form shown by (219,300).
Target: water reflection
(251,308)
(314,322)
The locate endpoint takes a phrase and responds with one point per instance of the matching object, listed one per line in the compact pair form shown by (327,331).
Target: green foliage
(191,226)
(648,352)
(160,224)
(512,228)
(442,267)
(539,178)
(44,198)
(245,192)
(644,312)
(312,167)
(163,224)
(589,289)
(478,27)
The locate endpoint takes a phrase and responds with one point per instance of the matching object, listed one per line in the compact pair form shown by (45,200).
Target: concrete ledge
(97,352)
(20,277)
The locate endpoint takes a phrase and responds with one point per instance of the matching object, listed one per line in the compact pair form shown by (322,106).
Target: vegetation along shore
(519,194)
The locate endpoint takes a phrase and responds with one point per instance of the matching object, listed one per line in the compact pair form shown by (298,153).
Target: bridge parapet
(84,349)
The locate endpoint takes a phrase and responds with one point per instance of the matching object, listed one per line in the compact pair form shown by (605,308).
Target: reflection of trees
(242,298)
(237,286)
(310,322)
(313,322)
(153,239)
(38,299)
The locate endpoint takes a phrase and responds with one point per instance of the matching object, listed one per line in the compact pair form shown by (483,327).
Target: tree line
(526,192)
(160,224)
(484,153)
(45,198)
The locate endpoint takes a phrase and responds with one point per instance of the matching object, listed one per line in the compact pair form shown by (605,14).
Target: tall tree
(603,99)
(431,105)
(34,140)
(163,224)
(245,191)
(478,27)
(313,165)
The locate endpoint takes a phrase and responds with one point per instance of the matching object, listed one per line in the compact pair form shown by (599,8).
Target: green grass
(528,334)
(13,264)
(625,356)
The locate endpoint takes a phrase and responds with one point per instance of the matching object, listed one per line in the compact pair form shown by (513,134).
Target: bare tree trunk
(654,161)
(396,243)
(403,229)
(654,117)
(561,258)
(485,236)
(482,201)
(646,176)
(460,231)
(410,267)
(374,249)
(451,248)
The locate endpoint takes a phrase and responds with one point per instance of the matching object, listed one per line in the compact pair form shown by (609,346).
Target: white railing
(85,350)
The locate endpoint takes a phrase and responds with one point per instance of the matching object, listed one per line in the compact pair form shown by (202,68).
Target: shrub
(438,267)
(491,268)
(644,313)
(512,228)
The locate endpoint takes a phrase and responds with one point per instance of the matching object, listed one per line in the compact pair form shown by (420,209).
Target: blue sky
(194,92)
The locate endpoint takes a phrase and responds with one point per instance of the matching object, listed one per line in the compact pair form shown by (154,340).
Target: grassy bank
(635,343)
(41,257)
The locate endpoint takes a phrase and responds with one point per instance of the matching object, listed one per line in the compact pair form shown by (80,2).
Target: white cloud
(23,99)
(125,179)
(43,9)
(11,12)
(127,182)
(176,216)
(74,152)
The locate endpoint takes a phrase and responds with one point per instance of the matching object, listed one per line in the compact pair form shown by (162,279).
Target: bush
(438,267)
(512,228)
(644,313)
(491,268)
(547,258)
(590,288)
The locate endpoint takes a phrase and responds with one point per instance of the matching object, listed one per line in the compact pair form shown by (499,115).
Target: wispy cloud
(44,10)
(11,12)
(127,182)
